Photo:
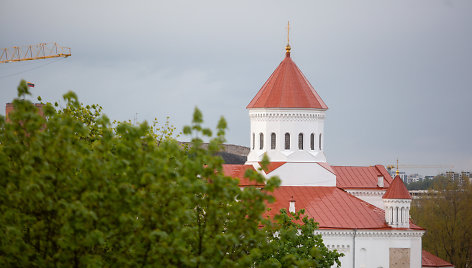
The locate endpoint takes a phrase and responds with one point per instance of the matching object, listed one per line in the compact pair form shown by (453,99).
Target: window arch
(391,215)
(272,141)
(287,141)
(363,257)
(312,141)
(320,142)
(253,141)
(300,141)
(261,141)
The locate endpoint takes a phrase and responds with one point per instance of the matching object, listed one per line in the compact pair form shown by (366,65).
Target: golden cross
(287,48)
(288,32)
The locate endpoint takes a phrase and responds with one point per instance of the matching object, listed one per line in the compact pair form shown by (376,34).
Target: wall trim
(371,233)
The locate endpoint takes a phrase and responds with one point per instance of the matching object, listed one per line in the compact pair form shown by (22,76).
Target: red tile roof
(287,87)
(237,171)
(397,190)
(331,207)
(350,177)
(430,260)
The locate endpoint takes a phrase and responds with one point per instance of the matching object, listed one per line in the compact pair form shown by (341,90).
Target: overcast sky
(396,75)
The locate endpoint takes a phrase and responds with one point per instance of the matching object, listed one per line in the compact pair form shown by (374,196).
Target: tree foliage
(293,243)
(74,191)
(446,214)
(424,184)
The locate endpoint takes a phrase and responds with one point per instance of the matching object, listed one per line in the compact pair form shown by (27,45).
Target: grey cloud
(396,75)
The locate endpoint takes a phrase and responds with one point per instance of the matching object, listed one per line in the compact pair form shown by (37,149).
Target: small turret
(397,201)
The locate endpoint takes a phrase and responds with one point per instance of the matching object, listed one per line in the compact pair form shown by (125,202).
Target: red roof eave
(430,260)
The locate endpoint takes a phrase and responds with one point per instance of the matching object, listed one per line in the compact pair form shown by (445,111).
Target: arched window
(312,141)
(391,215)
(253,141)
(396,218)
(300,141)
(320,142)
(363,257)
(261,141)
(402,215)
(272,141)
(287,141)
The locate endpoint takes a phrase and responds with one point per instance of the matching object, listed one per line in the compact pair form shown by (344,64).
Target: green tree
(445,213)
(293,243)
(424,184)
(74,191)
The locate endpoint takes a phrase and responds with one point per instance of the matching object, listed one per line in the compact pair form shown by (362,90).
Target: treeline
(426,184)
(446,216)
(420,185)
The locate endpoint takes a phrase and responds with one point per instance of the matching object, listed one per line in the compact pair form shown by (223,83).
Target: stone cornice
(365,192)
(274,115)
(371,233)
(396,201)
(339,248)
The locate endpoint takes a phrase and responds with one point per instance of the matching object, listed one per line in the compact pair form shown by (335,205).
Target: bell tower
(287,117)
(287,123)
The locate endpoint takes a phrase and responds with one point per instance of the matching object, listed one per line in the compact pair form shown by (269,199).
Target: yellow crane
(33,52)
(406,166)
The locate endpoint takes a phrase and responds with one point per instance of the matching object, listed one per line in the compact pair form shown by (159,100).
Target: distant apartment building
(414,178)
(402,175)
(458,176)
(465,174)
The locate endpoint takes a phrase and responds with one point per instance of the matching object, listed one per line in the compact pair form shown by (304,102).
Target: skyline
(395,76)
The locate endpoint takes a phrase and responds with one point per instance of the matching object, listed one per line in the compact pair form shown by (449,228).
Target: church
(362,211)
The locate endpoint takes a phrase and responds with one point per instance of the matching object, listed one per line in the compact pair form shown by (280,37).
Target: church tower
(287,123)
(287,117)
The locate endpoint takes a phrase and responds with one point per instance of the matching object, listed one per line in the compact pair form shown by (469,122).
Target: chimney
(380,181)
(9,108)
(291,207)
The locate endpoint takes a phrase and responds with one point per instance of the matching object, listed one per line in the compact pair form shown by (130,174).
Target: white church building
(362,212)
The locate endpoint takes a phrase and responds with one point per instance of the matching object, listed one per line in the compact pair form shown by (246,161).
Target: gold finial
(287,47)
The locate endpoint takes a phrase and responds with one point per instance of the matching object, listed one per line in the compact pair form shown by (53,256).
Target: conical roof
(397,190)
(287,87)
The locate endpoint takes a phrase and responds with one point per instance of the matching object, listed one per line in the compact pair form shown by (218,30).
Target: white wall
(281,121)
(397,212)
(304,174)
(372,246)
(371,196)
